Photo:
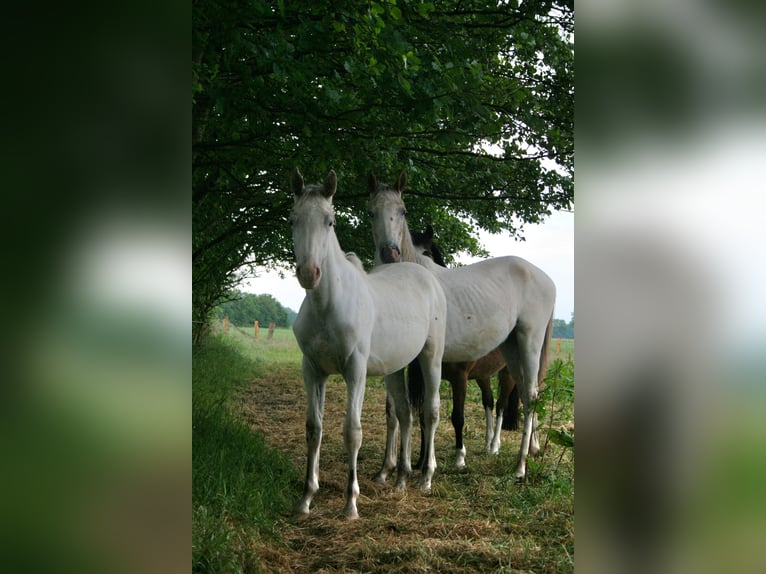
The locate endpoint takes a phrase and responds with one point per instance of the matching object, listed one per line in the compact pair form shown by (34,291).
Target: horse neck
(336,266)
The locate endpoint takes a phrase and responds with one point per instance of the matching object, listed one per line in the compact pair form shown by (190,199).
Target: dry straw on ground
(475,520)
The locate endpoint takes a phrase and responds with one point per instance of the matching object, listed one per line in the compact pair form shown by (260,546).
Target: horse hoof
(379,479)
(351,514)
(460,458)
(424,486)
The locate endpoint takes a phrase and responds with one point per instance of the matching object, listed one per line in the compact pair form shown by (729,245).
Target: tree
(245,308)
(562,329)
(474,98)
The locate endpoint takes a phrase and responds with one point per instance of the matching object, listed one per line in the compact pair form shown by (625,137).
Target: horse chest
(327,345)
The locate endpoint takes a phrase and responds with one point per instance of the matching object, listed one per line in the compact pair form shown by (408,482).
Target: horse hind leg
(511,411)
(392,432)
(415,392)
(459,382)
(530,347)
(503,390)
(400,405)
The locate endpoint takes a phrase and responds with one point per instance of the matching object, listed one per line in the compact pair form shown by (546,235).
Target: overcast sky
(549,245)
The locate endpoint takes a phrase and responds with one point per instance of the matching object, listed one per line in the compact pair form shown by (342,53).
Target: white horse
(355,324)
(503,302)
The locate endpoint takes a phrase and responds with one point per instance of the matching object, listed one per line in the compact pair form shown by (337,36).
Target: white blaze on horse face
(312,220)
(388,225)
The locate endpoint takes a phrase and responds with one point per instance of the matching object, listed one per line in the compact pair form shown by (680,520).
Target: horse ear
(372,183)
(401,182)
(330,184)
(429,232)
(296,182)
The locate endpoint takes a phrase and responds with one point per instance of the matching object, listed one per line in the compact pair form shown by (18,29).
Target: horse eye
(404,213)
(331,223)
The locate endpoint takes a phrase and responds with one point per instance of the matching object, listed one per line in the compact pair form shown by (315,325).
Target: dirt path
(466,524)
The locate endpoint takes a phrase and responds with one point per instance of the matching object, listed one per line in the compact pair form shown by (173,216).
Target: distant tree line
(562,329)
(245,308)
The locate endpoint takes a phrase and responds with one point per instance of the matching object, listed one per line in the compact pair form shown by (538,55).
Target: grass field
(249,461)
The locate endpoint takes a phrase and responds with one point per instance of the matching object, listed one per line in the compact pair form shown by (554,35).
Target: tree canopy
(474,98)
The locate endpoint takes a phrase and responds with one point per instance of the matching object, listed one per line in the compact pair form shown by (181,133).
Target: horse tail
(416,387)
(543,369)
(511,411)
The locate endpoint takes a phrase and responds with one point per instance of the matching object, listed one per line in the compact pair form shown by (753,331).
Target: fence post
(558,346)
(226,324)
(272,326)
(255,329)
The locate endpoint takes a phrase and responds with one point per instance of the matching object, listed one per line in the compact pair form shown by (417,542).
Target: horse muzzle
(390,253)
(308,275)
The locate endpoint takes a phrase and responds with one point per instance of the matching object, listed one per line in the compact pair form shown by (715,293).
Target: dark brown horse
(481,370)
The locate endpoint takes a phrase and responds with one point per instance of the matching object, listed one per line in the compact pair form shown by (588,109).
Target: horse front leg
(504,383)
(314,383)
(392,430)
(485,384)
(355,375)
(432,378)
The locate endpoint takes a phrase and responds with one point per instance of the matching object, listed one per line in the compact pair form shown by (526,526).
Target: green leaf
(561,438)
(405,83)
(425,8)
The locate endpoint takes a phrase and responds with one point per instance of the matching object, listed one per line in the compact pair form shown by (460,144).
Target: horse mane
(407,247)
(353,258)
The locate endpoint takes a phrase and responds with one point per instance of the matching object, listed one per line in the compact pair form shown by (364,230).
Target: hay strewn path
(475,520)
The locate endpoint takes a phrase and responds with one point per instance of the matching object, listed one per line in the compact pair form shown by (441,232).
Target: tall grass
(240,486)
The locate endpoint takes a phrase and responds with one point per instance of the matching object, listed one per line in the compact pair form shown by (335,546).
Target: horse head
(423,243)
(387,211)
(312,220)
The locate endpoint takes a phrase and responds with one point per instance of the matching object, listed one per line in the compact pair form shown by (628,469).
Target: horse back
(411,309)
(489,299)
